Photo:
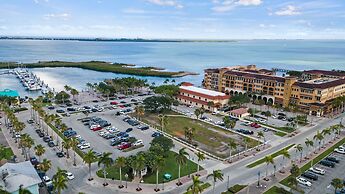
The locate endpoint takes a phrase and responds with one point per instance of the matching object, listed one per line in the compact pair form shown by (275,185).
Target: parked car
(60,154)
(47,181)
(327,163)
(83,145)
(109,136)
(115,142)
(41,134)
(310,176)
(69,176)
(69,133)
(339,150)
(70,109)
(51,107)
(113,103)
(38,131)
(60,111)
(30,121)
(34,161)
(255,125)
(333,159)
(138,142)
(156,134)
(51,144)
(303,181)
(245,131)
(124,145)
(317,170)
(46,139)
(96,128)
(129,130)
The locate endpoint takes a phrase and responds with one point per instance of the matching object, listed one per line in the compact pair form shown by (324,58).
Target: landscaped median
(316,160)
(274,155)
(234,189)
(277,190)
(203,186)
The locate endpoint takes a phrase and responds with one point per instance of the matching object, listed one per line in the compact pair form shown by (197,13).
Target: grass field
(279,133)
(171,167)
(317,159)
(275,154)
(234,189)
(103,67)
(277,190)
(209,137)
(5,153)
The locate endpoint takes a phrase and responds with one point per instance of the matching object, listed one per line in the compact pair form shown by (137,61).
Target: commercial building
(200,97)
(16,175)
(312,93)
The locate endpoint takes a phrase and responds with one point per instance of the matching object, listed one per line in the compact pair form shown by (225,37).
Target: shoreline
(102,66)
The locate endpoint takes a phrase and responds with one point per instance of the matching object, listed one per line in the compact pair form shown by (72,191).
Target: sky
(174,19)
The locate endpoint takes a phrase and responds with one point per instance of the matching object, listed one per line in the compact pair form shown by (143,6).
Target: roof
(203,92)
(325,72)
(10,93)
(256,75)
(323,85)
(16,174)
(239,111)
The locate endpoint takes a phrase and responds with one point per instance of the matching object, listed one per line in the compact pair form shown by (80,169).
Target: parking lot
(322,185)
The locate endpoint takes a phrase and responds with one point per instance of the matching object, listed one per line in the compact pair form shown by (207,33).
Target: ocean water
(173,56)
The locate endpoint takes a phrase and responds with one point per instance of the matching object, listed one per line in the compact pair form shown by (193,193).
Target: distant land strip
(102,67)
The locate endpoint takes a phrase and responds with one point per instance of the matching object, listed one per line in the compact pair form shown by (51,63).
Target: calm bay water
(188,56)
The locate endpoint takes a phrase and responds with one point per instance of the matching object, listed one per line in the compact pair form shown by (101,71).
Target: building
(15,175)
(200,97)
(239,113)
(312,93)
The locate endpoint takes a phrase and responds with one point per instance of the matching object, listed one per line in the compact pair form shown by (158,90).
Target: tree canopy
(169,90)
(158,103)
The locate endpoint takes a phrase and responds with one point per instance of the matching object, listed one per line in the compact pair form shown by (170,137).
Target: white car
(339,150)
(215,112)
(70,176)
(83,146)
(94,126)
(342,147)
(303,181)
(317,170)
(17,135)
(47,180)
(102,133)
(274,116)
(138,142)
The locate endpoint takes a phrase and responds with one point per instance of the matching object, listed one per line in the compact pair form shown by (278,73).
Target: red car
(96,128)
(113,103)
(255,125)
(124,146)
(121,106)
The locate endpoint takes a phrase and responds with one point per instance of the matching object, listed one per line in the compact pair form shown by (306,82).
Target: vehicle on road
(317,170)
(30,121)
(303,181)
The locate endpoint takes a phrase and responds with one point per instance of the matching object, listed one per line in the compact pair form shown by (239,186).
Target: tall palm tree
(158,165)
(201,157)
(308,143)
(40,150)
(197,113)
(262,135)
(74,142)
(120,162)
(139,111)
(299,148)
(106,161)
(189,133)
(181,159)
(246,140)
(319,137)
(216,175)
(196,186)
(286,155)
(269,160)
(89,158)
(163,121)
(232,146)
(45,165)
(325,133)
(60,180)
(67,145)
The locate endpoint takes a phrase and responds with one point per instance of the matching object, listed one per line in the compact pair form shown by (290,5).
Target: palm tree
(232,146)
(22,190)
(139,111)
(246,140)
(158,165)
(325,133)
(163,121)
(217,175)
(299,148)
(45,165)
(285,153)
(60,180)
(89,158)
(269,160)
(262,135)
(196,187)
(197,113)
(67,145)
(292,182)
(40,150)
(74,93)
(229,123)
(201,157)
(319,137)
(308,143)
(337,184)
(106,160)
(189,133)
(120,163)
(181,159)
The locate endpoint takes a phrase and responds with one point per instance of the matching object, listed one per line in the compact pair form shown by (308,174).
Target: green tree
(216,175)
(309,143)
(139,111)
(164,142)
(163,121)
(158,165)
(21,190)
(60,180)
(299,148)
(319,137)
(201,157)
(197,113)
(40,150)
(189,133)
(286,155)
(196,186)
(120,163)
(106,161)
(181,159)
(337,183)
(231,146)
(89,158)
(268,160)
(45,165)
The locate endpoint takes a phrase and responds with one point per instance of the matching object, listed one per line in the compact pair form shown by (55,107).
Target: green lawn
(204,186)
(171,167)
(277,190)
(279,133)
(317,159)
(5,153)
(287,129)
(262,160)
(234,189)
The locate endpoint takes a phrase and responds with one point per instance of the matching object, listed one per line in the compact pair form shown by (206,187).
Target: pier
(280,70)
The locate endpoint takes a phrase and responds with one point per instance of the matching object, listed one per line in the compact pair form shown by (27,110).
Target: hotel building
(208,99)
(312,93)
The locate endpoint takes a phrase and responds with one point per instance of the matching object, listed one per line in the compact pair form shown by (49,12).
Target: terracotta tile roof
(257,76)
(321,85)
(325,72)
(212,70)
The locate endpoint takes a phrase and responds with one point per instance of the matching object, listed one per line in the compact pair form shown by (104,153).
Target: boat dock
(30,81)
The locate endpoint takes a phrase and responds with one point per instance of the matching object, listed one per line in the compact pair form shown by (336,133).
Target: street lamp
(74,160)
(258,179)
(126,177)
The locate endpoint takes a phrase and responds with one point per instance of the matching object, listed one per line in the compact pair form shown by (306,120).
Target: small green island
(102,66)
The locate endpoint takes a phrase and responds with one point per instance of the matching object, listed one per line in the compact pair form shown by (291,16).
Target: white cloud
(38,1)
(63,16)
(134,11)
(288,11)
(171,3)
(227,5)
